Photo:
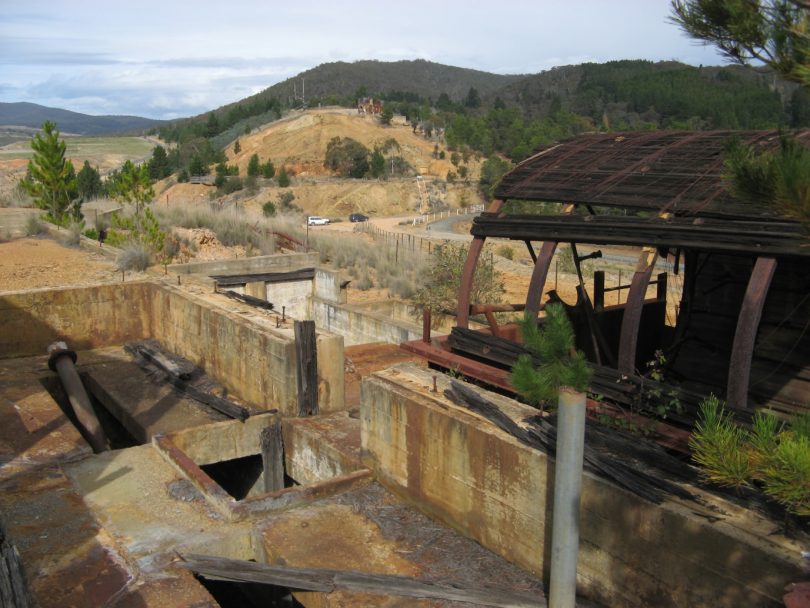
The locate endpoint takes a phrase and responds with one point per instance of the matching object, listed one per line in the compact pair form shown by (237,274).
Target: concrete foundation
(242,349)
(483,482)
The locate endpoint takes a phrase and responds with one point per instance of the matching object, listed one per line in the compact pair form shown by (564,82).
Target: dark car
(358,217)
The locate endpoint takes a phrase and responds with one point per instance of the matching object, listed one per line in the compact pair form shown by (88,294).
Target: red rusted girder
(742,351)
(539,275)
(468,272)
(632,313)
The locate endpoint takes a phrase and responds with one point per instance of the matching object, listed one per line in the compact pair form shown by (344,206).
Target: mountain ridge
(32,115)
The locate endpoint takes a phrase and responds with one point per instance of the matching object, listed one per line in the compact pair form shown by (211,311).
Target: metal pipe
(62,361)
(567,489)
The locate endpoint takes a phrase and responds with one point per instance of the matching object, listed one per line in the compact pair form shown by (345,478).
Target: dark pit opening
(117,435)
(249,595)
(238,476)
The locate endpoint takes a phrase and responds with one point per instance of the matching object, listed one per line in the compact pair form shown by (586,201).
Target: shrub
(506,251)
(718,445)
(269,209)
(34,226)
(73,235)
(365,283)
(135,256)
(772,453)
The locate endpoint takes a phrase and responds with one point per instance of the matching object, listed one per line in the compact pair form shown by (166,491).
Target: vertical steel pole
(567,489)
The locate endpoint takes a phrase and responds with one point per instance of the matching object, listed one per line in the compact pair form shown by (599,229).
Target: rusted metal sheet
(676,171)
(742,350)
(632,314)
(539,276)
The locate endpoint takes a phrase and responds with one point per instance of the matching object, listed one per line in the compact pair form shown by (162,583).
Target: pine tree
(253,167)
(88,182)
(561,364)
(51,179)
(283,178)
(237,147)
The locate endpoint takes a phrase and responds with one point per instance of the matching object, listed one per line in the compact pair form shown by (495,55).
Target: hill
(24,114)
(629,94)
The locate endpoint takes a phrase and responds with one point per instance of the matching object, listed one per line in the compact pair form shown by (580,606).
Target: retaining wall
(481,481)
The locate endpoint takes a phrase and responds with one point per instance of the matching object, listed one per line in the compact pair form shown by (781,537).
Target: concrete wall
(483,482)
(86,317)
(263,263)
(254,361)
(293,296)
(359,325)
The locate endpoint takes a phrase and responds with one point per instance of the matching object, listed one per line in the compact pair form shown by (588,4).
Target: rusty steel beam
(742,351)
(631,320)
(539,276)
(468,272)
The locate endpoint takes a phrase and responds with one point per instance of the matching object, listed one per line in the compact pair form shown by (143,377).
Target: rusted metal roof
(663,171)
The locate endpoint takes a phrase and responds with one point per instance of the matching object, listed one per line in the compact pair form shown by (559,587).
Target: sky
(171,58)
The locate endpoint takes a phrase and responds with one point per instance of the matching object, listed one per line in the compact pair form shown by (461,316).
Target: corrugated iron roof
(674,171)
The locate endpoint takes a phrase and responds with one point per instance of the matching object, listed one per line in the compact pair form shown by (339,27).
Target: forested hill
(24,114)
(513,115)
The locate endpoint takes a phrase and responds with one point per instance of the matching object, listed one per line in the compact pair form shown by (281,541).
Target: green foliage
(197,166)
(51,179)
(268,170)
(772,453)
(347,157)
(506,251)
(283,178)
(386,116)
(133,185)
(285,200)
(473,99)
(778,179)
(143,229)
(254,166)
(718,445)
(442,280)
(492,171)
(561,364)
(774,32)
(237,147)
(269,209)
(377,163)
(159,165)
(88,182)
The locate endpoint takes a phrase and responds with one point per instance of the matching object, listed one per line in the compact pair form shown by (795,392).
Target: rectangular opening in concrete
(229,594)
(224,461)
(117,434)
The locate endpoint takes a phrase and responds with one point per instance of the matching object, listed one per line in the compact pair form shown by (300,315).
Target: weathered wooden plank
(306,358)
(221,405)
(326,581)
(182,370)
(257,302)
(272,446)
(230,280)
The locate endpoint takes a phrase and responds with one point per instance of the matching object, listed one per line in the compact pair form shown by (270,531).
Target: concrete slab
(147,506)
(144,407)
(379,534)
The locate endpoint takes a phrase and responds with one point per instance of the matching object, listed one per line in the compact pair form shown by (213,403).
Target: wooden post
(599,290)
(272,456)
(661,286)
(426,322)
(307,367)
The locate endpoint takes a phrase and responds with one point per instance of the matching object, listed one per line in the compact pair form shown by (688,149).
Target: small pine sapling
(561,365)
